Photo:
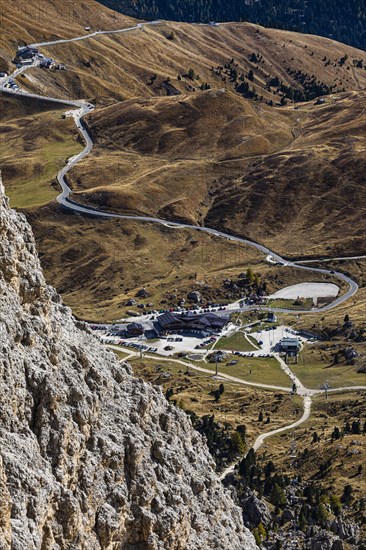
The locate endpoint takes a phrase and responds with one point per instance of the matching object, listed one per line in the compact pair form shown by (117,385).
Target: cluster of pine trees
(314,503)
(336,19)
(224,444)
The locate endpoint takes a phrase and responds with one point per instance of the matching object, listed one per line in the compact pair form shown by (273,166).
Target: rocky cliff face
(91,457)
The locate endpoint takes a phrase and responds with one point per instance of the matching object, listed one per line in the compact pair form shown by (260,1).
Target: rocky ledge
(91,457)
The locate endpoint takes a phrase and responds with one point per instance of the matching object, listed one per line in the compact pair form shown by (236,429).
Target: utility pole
(217,365)
(325,387)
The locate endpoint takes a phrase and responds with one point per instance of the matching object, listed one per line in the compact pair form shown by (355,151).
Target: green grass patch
(120,354)
(35,149)
(259,370)
(306,303)
(235,342)
(36,190)
(254,341)
(165,366)
(255,328)
(254,369)
(313,372)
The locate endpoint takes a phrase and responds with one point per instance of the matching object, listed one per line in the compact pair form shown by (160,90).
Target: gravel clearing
(308,290)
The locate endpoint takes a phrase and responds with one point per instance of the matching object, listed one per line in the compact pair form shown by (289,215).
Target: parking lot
(271,337)
(164,345)
(168,345)
(197,344)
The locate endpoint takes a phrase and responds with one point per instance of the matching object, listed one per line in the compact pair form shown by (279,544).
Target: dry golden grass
(326,415)
(75,251)
(98,264)
(36,143)
(220,160)
(121,65)
(168,155)
(290,178)
(280,176)
(267,173)
(238,405)
(308,199)
(29,21)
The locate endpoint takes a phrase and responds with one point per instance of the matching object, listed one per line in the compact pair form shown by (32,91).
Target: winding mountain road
(302,391)
(262,437)
(341,259)
(83,108)
(91,35)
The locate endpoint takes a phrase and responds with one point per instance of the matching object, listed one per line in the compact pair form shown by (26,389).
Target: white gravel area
(308,290)
(271,337)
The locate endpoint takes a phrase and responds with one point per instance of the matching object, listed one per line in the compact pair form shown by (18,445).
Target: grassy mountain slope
(309,198)
(105,263)
(286,176)
(200,154)
(343,21)
(175,151)
(27,22)
(156,61)
(36,143)
(270,175)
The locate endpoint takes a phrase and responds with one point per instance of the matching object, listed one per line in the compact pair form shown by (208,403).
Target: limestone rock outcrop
(90,456)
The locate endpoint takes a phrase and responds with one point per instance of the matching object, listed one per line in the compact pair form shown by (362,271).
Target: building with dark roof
(202,323)
(291,346)
(25,53)
(271,317)
(135,329)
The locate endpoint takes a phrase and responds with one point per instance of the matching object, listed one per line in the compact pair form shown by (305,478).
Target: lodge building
(195,323)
